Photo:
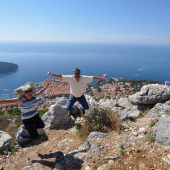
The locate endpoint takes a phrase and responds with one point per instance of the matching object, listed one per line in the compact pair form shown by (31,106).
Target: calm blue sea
(127,61)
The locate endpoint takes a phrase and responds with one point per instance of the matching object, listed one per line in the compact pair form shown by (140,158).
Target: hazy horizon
(104,21)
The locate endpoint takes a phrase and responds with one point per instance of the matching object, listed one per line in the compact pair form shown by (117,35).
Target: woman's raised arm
(10,101)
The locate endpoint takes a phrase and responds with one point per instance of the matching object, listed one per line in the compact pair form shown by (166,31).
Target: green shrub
(4,121)
(14,111)
(8,122)
(153,122)
(2,112)
(41,112)
(150,137)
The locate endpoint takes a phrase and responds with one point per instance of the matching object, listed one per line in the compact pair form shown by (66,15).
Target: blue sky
(101,21)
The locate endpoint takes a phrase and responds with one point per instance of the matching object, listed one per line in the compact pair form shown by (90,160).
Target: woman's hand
(104,76)
(50,74)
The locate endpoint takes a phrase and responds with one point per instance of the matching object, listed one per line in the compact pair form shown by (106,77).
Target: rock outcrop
(23,136)
(57,116)
(129,113)
(159,110)
(5,140)
(151,94)
(161,131)
(108,104)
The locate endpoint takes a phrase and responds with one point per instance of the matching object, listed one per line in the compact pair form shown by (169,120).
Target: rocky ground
(139,140)
(142,154)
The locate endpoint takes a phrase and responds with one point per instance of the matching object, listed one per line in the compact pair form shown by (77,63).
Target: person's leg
(69,106)
(82,100)
(70,102)
(31,127)
(38,122)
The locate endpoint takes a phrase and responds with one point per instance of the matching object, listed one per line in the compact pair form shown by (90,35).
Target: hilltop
(136,135)
(6,68)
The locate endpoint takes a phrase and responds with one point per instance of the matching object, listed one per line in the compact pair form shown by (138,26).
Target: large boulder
(98,143)
(151,94)
(159,110)
(124,103)
(91,101)
(161,131)
(61,101)
(108,104)
(129,113)
(95,144)
(57,116)
(5,140)
(23,136)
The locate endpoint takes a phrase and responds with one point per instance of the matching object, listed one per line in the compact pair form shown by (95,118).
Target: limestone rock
(161,131)
(151,94)
(93,136)
(159,110)
(130,113)
(124,102)
(23,136)
(56,117)
(4,141)
(108,104)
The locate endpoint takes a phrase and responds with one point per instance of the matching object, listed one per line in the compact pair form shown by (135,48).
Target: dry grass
(116,122)
(153,122)
(102,121)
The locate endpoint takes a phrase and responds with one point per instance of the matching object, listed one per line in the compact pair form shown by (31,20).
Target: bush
(14,111)
(104,120)
(2,112)
(101,121)
(150,137)
(153,122)
(7,123)
(41,112)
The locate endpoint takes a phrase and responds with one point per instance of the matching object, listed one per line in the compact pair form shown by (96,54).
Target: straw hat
(20,90)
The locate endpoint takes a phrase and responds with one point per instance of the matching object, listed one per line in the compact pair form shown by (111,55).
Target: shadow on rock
(62,161)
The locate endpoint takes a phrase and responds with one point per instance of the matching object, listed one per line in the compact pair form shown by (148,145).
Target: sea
(149,62)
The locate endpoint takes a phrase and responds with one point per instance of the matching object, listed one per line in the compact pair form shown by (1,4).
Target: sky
(89,21)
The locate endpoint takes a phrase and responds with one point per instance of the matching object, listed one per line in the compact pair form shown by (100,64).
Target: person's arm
(10,101)
(98,78)
(41,91)
(59,76)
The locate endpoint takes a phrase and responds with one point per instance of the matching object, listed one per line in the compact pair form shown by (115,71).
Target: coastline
(112,88)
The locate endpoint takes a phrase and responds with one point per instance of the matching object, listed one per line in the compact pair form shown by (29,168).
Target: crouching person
(27,102)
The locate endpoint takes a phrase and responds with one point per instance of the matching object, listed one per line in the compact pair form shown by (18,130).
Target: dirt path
(24,156)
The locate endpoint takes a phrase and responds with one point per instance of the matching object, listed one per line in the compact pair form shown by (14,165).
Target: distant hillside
(6,68)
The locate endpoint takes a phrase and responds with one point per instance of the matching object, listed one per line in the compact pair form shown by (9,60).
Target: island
(6,67)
